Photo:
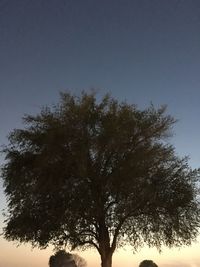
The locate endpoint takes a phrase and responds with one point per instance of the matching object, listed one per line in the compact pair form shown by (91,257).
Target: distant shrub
(64,259)
(148,263)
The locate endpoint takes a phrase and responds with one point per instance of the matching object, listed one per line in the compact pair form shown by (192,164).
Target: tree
(62,259)
(87,173)
(148,263)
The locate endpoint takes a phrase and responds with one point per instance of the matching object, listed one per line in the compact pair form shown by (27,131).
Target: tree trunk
(105,249)
(106,260)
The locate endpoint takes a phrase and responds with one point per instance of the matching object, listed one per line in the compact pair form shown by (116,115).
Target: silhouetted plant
(148,263)
(88,173)
(62,259)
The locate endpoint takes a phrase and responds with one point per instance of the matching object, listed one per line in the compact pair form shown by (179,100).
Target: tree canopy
(98,173)
(64,259)
(148,263)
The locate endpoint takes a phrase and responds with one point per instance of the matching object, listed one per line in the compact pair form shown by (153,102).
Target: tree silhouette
(87,173)
(148,263)
(62,259)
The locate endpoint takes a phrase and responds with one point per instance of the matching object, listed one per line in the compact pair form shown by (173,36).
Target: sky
(140,51)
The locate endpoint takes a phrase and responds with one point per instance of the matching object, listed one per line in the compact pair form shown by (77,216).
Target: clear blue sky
(141,51)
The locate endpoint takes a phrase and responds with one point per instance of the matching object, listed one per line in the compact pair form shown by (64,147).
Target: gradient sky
(141,51)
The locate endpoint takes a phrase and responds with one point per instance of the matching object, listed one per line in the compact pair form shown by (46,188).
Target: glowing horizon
(24,255)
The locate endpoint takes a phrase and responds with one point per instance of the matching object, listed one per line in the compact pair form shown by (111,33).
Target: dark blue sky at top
(139,50)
